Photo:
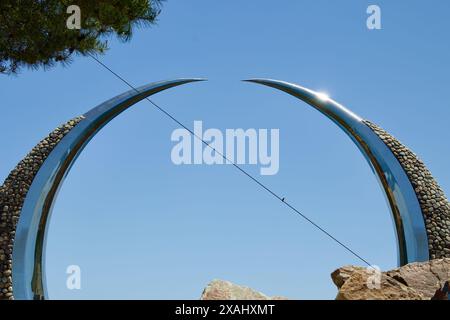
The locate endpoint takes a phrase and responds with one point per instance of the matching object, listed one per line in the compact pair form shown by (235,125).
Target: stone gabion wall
(12,197)
(435,206)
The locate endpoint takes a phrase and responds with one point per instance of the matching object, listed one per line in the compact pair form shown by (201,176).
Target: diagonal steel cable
(262,185)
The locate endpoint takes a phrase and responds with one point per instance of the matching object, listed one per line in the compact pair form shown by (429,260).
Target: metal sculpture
(28,269)
(420,210)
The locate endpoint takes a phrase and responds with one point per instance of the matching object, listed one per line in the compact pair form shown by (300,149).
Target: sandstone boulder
(225,290)
(415,281)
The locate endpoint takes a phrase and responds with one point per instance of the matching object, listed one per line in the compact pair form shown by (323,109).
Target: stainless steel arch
(28,269)
(405,208)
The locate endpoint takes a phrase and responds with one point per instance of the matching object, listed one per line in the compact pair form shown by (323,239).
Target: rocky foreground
(415,281)
(225,290)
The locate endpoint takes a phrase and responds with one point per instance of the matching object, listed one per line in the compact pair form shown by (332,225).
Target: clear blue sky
(141,227)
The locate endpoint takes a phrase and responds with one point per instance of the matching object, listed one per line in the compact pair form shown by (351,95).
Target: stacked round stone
(435,206)
(12,196)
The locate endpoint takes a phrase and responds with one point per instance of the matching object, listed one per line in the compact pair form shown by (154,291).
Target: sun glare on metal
(323,96)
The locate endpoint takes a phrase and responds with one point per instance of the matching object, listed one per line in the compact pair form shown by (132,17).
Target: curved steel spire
(400,194)
(28,270)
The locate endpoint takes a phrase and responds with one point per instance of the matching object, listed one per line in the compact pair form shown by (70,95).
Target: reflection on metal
(406,212)
(28,270)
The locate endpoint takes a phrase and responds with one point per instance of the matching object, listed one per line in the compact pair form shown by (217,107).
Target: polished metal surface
(28,270)
(405,208)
